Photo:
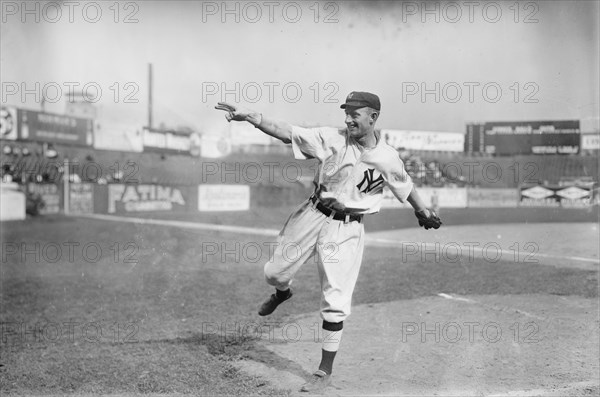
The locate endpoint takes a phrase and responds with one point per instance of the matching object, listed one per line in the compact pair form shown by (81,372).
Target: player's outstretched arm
(426,216)
(277,129)
(414,198)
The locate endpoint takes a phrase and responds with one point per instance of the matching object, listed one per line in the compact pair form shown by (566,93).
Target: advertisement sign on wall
(492,198)
(223,197)
(425,140)
(524,137)
(555,196)
(590,141)
(124,198)
(171,141)
(81,198)
(55,128)
(8,123)
(50,195)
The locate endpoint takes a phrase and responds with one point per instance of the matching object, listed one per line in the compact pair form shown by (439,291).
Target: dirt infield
(467,346)
(534,344)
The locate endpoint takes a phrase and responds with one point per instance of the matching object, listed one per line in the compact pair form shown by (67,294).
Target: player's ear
(374,116)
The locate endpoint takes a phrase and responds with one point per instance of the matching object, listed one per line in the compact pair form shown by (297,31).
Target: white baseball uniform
(350,180)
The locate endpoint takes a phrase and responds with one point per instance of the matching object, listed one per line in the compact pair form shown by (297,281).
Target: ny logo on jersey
(371,183)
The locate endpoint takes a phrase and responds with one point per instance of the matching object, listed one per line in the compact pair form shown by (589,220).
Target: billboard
(116,136)
(492,197)
(524,137)
(171,141)
(223,197)
(50,195)
(425,140)
(81,198)
(590,141)
(555,196)
(55,128)
(8,123)
(126,198)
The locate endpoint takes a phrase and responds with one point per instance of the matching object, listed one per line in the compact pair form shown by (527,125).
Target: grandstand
(103,166)
(275,178)
(434,169)
(509,172)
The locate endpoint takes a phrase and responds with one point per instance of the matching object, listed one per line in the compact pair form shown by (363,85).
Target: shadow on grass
(236,346)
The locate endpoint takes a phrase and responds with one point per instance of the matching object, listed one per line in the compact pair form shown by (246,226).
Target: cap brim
(353,105)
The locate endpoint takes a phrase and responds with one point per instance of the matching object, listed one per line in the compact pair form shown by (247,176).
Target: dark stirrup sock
(282,294)
(332,333)
(327,361)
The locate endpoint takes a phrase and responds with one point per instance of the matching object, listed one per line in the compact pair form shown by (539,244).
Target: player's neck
(367,141)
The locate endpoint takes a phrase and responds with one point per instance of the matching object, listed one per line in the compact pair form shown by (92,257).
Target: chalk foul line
(185,224)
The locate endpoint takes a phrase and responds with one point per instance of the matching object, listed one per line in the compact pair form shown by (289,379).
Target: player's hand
(428,219)
(235,113)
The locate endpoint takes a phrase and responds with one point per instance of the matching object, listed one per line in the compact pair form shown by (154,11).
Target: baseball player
(355,164)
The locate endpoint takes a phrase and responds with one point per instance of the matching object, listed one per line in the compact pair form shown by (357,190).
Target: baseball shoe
(319,381)
(271,304)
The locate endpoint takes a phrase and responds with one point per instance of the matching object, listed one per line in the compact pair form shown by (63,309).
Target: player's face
(360,121)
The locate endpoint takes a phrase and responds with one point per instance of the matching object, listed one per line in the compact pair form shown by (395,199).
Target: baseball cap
(361,99)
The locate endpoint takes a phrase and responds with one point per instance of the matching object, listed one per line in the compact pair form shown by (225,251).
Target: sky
(297,61)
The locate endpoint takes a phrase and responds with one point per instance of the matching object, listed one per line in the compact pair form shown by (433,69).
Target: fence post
(66,186)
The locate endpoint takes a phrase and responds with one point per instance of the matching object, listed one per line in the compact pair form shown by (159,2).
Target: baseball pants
(338,247)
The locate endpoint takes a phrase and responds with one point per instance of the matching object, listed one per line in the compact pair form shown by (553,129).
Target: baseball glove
(428,219)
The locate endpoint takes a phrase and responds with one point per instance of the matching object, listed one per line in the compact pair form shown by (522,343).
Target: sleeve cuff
(403,193)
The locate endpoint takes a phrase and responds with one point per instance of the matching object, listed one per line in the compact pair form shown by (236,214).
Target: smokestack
(149,96)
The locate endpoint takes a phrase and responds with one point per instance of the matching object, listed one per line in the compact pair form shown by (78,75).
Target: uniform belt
(337,215)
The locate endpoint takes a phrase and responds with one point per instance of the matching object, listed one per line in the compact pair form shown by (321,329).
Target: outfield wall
(124,199)
(525,196)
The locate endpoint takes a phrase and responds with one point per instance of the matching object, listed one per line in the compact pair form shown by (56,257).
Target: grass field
(99,307)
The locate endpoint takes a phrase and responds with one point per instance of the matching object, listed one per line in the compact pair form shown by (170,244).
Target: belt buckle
(347,218)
